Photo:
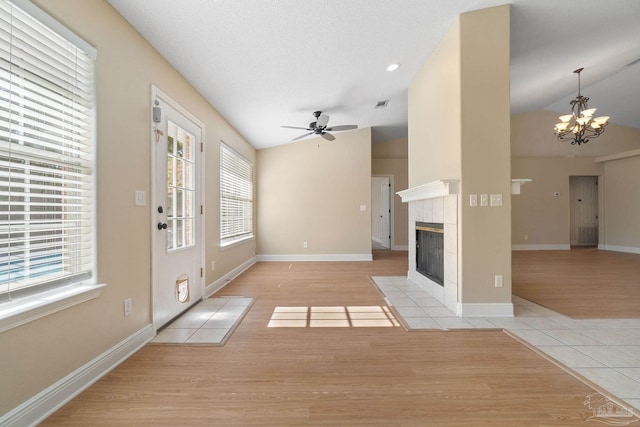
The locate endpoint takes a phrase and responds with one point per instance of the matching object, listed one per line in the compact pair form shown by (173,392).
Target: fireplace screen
(430,251)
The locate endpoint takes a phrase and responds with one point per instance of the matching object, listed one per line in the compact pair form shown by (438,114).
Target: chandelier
(580,126)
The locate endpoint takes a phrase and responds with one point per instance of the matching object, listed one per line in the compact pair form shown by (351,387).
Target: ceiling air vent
(382,104)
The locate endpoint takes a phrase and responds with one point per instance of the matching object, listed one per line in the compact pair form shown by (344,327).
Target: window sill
(27,309)
(231,243)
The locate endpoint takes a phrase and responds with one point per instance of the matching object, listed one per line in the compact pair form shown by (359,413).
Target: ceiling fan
(319,127)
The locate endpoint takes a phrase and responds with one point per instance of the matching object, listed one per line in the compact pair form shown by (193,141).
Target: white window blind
(236,196)
(47,153)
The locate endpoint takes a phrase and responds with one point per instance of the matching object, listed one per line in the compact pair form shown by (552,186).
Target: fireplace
(430,251)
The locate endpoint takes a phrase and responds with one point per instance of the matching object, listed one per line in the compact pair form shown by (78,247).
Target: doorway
(583,210)
(177,189)
(381,212)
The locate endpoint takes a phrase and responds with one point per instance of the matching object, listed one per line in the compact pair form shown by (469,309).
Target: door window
(180,188)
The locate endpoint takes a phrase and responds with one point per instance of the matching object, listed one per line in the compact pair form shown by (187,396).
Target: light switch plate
(141,198)
(484,200)
(473,200)
(363,208)
(496,200)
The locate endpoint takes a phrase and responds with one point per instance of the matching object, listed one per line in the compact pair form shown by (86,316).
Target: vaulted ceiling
(263,64)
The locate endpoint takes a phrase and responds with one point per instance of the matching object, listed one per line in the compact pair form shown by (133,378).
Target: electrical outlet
(128,307)
(498,280)
(305,245)
(526,237)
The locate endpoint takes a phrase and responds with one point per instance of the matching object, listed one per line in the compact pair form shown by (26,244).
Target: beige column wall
(311,191)
(459,128)
(485,232)
(622,205)
(37,354)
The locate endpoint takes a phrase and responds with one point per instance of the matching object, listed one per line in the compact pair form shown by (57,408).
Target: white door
(584,210)
(177,282)
(385,212)
(380,213)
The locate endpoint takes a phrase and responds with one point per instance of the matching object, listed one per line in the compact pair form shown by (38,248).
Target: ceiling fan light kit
(319,127)
(580,126)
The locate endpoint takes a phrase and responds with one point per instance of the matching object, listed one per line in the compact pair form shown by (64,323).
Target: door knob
(162,226)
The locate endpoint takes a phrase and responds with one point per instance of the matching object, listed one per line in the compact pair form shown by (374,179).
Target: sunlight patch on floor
(333,317)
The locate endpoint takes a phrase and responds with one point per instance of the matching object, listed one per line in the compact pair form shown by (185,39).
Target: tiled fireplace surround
(436,202)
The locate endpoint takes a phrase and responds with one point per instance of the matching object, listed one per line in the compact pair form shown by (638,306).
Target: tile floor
(605,351)
(209,322)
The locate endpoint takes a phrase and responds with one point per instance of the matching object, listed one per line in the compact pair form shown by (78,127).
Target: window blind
(47,153)
(236,196)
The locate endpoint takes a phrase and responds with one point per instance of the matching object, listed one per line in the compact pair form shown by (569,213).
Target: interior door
(177,282)
(385,212)
(584,210)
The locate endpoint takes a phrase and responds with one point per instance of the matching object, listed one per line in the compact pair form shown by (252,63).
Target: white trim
(615,248)
(49,400)
(316,257)
(516,184)
(540,247)
(224,280)
(19,311)
(485,309)
(431,190)
(400,247)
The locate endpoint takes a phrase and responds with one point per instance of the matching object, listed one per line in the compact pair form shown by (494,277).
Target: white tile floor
(605,351)
(209,322)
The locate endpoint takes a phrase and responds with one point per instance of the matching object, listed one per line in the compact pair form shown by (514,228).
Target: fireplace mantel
(430,190)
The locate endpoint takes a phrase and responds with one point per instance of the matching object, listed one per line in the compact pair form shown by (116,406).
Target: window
(236,197)
(47,154)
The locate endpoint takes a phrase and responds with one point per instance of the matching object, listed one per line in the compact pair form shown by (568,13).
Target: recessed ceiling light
(393,67)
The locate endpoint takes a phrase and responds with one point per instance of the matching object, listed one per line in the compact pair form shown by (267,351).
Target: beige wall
(485,232)
(537,212)
(311,191)
(435,114)
(622,204)
(532,136)
(538,155)
(390,158)
(39,353)
(464,87)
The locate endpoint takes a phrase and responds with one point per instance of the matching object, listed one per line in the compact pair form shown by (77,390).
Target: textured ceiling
(263,64)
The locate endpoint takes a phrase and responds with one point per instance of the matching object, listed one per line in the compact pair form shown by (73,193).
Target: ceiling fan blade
(322,121)
(328,136)
(294,127)
(342,127)
(302,136)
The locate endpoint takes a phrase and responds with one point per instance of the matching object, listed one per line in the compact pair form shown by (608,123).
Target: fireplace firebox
(430,250)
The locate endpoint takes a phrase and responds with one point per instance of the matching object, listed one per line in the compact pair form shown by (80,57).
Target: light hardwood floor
(332,376)
(581,283)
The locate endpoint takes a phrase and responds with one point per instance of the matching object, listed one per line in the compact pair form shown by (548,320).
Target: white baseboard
(49,400)
(214,287)
(616,248)
(316,257)
(540,247)
(399,247)
(485,310)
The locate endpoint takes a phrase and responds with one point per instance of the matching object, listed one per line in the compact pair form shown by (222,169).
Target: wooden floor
(332,376)
(581,283)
